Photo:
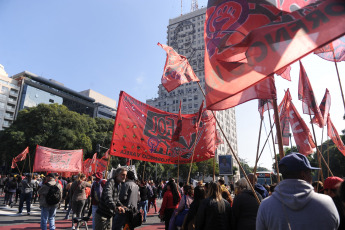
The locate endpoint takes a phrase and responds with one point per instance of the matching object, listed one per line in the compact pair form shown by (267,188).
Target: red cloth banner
(333,134)
(177,70)
(337,46)
(101,165)
(177,133)
(246,41)
(285,73)
(47,159)
(21,156)
(324,108)
(144,133)
(284,117)
(87,169)
(306,95)
(14,164)
(304,140)
(264,105)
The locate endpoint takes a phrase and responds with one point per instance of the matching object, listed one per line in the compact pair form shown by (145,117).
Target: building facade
(186,36)
(9,92)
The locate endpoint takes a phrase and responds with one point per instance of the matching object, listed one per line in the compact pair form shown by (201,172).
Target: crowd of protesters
(123,202)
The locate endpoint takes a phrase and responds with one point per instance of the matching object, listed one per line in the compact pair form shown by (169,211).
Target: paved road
(9,220)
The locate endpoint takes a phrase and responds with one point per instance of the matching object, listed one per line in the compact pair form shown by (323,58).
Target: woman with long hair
(185,202)
(199,195)
(214,211)
(170,202)
(78,196)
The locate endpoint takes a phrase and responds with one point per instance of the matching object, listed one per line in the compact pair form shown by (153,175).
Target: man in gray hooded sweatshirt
(294,204)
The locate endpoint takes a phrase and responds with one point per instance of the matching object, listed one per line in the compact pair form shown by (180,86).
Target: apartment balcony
(11,109)
(9,117)
(13,93)
(11,101)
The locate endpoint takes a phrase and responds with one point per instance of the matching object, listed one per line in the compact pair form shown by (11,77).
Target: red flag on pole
(264,105)
(333,134)
(176,135)
(197,123)
(284,117)
(324,108)
(22,155)
(94,162)
(177,70)
(337,46)
(306,95)
(106,155)
(285,73)
(258,40)
(14,164)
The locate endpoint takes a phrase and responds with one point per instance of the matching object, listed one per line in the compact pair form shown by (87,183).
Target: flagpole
(191,162)
(336,67)
(258,146)
(274,149)
(17,166)
(214,169)
(108,162)
(233,152)
(318,152)
(328,155)
(279,132)
(263,147)
(29,162)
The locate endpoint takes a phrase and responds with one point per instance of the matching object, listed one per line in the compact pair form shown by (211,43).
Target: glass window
(4,89)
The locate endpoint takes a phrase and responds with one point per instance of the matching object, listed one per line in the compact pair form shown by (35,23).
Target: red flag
(337,46)
(177,70)
(264,105)
(178,129)
(14,164)
(246,41)
(333,134)
(101,165)
(306,95)
(47,159)
(106,155)
(285,73)
(22,155)
(87,169)
(219,139)
(284,117)
(301,132)
(197,123)
(324,108)
(94,162)
(144,133)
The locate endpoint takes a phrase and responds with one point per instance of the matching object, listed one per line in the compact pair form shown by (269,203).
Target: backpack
(97,190)
(54,195)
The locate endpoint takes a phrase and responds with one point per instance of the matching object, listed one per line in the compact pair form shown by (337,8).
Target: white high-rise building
(186,36)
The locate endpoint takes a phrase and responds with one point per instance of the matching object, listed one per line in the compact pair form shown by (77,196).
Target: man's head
(120,174)
(331,185)
(130,175)
(221,181)
(252,178)
(296,166)
(98,175)
(51,176)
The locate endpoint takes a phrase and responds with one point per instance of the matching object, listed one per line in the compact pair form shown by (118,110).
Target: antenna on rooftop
(194,5)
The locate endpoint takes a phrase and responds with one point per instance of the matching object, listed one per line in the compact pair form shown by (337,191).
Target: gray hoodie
(295,202)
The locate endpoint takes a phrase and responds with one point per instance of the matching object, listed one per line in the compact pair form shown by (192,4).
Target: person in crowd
(232,187)
(129,195)
(342,192)
(186,199)
(227,196)
(221,182)
(63,183)
(294,204)
(180,187)
(143,199)
(96,194)
(48,212)
(160,189)
(171,198)
(34,189)
(153,198)
(69,200)
(10,190)
(245,206)
(78,197)
(2,184)
(214,212)
(26,194)
(272,187)
(331,188)
(258,187)
(318,186)
(199,195)
(19,187)
(110,204)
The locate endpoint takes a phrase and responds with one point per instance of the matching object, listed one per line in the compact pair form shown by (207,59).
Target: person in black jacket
(245,206)
(143,199)
(110,204)
(214,211)
(199,195)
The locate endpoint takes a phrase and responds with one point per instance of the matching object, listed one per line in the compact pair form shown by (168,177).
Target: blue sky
(109,46)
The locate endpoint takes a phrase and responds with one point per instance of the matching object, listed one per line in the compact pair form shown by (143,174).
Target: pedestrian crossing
(34,211)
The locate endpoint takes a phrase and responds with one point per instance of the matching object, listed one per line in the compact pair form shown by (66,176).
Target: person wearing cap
(330,188)
(96,194)
(48,212)
(294,204)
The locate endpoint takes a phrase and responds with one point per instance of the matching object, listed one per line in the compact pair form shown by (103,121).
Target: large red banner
(143,132)
(87,168)
(247,41)
(54,160)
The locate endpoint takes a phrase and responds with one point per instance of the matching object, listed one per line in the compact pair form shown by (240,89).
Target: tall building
(9,90)
(186,36)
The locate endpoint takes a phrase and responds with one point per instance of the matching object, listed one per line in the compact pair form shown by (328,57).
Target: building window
(51,100)
(190,106)
(4,89)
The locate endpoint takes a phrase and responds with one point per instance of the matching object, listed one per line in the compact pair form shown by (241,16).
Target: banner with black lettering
(144,133)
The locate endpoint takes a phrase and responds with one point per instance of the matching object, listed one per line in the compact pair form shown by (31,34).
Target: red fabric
(301,132)
(324,108)
(201,108)
(47,159)
(21,156)
(306,95)
(14,164)
(177,133)
(93,162)
(87,170)
(333,134)
(219,139)
(106,154)
(101,165)
(177,70)
(285,73)
(338,46)
(246,41)
(264,105)
(168,202)
(284,117)
(143,132)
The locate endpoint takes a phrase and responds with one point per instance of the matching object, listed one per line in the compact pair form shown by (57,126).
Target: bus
(267,177)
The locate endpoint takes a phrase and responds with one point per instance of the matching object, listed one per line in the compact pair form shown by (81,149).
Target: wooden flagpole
(258,146)
(233,152)
(263,147)
(274,149)
(318,152)
(328,155)
(336,67)
(279,132)
(108,162)
(191,162)
(29,162)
